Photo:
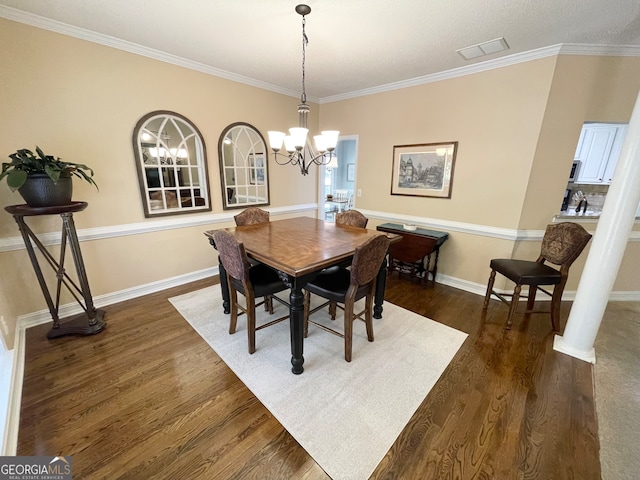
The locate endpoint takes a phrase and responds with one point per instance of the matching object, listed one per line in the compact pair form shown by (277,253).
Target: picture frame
(423,170)
(351,172)
(256,168)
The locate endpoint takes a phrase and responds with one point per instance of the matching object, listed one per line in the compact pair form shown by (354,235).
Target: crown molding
(550,51)
(453,73)
(600,50)
(109,41)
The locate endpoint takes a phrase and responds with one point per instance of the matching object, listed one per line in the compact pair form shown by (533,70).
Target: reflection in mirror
(244,172)
(172,165)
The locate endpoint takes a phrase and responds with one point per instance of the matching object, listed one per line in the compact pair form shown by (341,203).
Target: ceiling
(354,45)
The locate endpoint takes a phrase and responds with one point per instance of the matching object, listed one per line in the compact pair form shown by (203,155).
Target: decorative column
(607,249)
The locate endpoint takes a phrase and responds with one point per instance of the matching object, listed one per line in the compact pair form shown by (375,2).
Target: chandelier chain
(305,41)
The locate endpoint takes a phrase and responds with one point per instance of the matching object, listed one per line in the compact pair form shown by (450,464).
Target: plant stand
(91,320)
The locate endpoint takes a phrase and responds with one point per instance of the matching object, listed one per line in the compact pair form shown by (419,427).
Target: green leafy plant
(24,163)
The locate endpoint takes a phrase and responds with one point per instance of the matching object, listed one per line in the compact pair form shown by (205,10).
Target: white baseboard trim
(12,424)
(560,346)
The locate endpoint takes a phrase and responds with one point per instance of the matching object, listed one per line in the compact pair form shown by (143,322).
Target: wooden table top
(301,245)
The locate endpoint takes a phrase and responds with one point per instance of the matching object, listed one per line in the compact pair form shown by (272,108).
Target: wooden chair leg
(233,317)
(487,296)
(368,315)
(348,329)
(514,306)
(531,300)
(268,304)
(556,300)
(333,307)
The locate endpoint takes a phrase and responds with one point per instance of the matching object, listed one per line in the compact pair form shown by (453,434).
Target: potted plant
(43,180)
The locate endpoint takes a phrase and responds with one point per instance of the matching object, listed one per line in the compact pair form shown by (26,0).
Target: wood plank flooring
(148,399)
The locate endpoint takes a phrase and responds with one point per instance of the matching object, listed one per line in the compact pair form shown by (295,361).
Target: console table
(412,255)
(90,321)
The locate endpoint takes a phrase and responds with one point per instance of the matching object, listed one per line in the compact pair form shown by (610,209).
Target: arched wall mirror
(244,172)
(171,160)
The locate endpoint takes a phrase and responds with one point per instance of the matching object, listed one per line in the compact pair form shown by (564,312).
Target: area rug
(345,415)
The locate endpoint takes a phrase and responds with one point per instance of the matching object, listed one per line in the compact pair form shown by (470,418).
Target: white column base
(560,346)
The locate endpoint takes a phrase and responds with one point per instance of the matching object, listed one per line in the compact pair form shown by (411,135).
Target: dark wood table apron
(299,248)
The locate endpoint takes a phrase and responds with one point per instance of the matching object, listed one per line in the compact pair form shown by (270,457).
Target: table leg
(296,325)
(435,263)
(381,284)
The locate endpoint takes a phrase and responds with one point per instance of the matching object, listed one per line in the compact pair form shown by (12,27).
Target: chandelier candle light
(299,152)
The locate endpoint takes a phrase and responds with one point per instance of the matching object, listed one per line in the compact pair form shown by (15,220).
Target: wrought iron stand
(90,321)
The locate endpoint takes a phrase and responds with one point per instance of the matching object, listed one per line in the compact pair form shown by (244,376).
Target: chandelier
(299,152)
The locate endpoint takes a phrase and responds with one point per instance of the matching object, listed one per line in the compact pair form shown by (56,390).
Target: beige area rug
(617,393)
(345,415)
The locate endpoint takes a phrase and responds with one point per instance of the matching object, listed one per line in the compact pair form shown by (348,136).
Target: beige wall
(80,101)
(517,128)
(495,116)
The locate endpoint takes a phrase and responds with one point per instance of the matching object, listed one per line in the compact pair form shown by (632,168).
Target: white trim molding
(170,223)
(482,66)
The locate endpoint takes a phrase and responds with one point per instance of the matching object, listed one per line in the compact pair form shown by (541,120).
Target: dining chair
(341,195)
(251,216)
(352,218)
(252,281)
(561,245)
(255,216)
(347,287)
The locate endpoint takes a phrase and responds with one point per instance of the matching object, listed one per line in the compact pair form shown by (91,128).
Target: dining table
(298,249)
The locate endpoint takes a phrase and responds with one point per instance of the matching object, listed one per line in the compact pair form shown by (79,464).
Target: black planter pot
(40,191)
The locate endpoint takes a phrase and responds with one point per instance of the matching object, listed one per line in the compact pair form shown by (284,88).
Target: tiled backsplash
(594,194)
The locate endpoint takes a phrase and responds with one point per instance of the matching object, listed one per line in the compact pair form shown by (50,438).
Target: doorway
(338,180)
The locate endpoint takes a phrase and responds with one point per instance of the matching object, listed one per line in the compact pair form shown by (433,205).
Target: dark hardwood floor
(148,399)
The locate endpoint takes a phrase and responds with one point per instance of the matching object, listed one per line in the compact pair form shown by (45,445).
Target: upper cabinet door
(596,152)
(615,154)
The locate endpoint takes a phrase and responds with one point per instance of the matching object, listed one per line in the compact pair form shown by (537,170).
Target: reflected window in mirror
(244,170)
(171,161)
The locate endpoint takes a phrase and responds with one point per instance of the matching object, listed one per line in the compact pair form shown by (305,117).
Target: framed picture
(351,172)
(423,170)
(256,168)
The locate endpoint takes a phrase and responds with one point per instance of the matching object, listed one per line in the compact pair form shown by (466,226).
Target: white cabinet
(598,151)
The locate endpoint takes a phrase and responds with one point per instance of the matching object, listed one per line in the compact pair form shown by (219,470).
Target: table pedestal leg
(381,284)
(296,325)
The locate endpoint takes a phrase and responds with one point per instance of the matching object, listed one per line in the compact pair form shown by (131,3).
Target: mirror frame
(201,164)
(226,205)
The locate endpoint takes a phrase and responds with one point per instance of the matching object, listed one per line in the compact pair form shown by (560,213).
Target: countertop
(571,213)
